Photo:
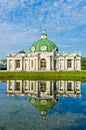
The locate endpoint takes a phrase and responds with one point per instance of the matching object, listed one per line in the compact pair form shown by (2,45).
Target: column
(48,63)
(37,62)
(34,64)
(73,64)
(28,64)
(14,64)
(65,64)
(21,64)
(8,64)
(52,63)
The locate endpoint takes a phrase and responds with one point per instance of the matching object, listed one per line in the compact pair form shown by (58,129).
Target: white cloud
(22,20)
(14,37)
(7,5)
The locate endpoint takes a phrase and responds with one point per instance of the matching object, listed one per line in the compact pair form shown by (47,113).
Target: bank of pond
(65,75)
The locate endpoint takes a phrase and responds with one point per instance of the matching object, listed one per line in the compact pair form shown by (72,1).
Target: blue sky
(22,22)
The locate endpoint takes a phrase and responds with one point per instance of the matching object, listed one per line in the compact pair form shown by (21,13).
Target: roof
(43,45)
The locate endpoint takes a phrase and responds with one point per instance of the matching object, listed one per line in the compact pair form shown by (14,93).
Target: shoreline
(43,75)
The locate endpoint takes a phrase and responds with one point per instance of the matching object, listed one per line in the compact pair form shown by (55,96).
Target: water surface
(42,105)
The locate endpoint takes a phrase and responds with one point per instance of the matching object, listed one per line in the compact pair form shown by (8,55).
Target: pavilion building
(43,56)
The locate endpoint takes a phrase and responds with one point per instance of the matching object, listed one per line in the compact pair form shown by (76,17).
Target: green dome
(43,104)
(43,45)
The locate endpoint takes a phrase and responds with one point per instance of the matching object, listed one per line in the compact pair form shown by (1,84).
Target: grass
(61,75)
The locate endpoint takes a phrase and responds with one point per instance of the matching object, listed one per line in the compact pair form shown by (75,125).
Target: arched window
(43,63)
(43,86)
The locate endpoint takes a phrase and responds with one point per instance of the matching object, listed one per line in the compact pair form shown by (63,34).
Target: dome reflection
(43,95)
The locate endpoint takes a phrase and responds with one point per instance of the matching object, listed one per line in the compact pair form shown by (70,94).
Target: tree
(83,63)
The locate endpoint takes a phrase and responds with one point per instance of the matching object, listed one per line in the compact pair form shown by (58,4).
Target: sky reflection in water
(42,105)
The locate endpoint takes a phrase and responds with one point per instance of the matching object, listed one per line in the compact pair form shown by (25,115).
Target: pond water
(42,105)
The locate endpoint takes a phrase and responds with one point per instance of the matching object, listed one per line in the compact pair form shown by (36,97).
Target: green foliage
(22,51)
(83,63)
(3,61)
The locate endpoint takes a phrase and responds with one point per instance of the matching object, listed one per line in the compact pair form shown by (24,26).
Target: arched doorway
(43,64)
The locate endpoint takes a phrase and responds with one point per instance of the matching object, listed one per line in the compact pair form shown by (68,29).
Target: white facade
(44,61)
(44,89)
(43,57)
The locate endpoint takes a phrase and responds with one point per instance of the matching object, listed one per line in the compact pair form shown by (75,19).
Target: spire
(43,114)
(43,35)
(43,31)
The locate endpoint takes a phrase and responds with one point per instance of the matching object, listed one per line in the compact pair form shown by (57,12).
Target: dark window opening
(43,63)
(69,86)
(17,86)
(69,63)
(17,63)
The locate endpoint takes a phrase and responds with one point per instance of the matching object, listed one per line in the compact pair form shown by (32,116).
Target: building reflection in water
(43,94)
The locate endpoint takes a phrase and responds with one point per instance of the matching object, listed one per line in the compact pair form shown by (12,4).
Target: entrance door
(43,64)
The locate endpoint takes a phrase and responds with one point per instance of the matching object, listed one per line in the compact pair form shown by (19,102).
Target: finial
(43,114)
(44,30)
(43,35)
